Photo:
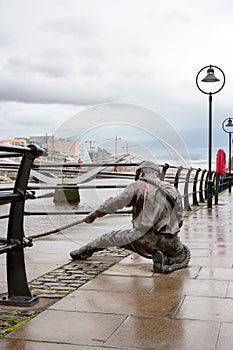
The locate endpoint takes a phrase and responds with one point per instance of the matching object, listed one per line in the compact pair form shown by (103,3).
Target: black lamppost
(227,125)
(210,78)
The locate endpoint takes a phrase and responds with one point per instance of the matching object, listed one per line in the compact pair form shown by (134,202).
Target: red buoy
(221,162)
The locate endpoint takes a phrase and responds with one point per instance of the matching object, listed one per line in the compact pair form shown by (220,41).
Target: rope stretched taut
(56,230)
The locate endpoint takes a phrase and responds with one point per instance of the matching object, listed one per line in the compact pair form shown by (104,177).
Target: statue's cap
(150,165)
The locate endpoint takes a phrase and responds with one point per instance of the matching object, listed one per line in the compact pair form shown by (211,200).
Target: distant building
(99,155)
(15,142)
(62,150)
(69,150)
(58,149)
(41,141)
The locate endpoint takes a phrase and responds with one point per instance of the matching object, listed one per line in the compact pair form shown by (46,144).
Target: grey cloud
(133,72)
(52,66)
(91,52)
(78,27)
(52,69)
(91,70)
(49,78)
(42,90)
(25,119)
(136,50)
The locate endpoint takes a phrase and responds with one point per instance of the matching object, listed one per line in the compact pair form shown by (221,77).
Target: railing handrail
(182,176)
(18,149)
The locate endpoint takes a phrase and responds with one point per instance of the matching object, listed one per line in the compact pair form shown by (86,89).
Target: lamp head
(210,77)
(230,122)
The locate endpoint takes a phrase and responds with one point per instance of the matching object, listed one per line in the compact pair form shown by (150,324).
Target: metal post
(227,127)
(210,78)
(210,184)
(229,161)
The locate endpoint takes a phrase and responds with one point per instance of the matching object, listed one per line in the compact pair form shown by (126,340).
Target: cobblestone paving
(58,283)
(9,320)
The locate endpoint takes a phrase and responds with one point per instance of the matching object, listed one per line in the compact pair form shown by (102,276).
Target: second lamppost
(227,125)
(216,86)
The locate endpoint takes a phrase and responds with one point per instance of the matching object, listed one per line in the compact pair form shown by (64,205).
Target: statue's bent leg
(119,238)
(167,252)
(146,245)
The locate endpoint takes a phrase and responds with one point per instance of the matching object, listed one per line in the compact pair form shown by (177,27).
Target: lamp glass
(210,77)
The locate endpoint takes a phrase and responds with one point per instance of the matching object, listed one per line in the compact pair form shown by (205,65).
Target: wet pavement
(127,306)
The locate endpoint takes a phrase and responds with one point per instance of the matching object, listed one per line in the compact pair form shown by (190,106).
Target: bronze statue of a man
(156,222)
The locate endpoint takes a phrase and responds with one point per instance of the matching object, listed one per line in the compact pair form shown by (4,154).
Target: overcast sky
(58,57)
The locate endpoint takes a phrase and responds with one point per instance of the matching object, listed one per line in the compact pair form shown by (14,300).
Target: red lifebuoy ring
(221,162)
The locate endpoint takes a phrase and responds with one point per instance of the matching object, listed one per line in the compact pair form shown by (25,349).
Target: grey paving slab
(69,327)
(230,290)
(35,270)
(216,273)
(204,308)
(146,333)
(8,344)
(130,284)
(120,303)
(194,287)
(210,261)
(119,270)
(189,272)
(225,340)
(133,265)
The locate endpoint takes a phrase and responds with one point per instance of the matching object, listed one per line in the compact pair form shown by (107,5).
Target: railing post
(213,175)
(18,290)
(186,186)
(195,201)
(201,197)
(177,176)
(164,170)
(206,185)
(226,183)
(209,190)
(216,190)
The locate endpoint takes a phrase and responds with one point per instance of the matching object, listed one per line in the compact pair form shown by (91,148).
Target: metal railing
(192,184)
(18,290)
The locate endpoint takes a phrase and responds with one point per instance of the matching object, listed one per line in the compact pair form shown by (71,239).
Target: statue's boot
(166,264)
(83,252)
